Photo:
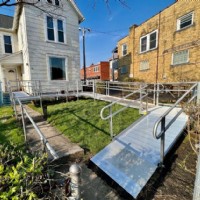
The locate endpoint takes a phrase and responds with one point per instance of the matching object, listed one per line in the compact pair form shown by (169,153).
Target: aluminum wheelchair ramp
(133,156)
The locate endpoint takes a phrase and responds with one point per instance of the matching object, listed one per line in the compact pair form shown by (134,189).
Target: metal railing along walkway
(44,141)
(134,155)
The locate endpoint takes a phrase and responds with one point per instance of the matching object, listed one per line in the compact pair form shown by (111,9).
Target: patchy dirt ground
(174,182)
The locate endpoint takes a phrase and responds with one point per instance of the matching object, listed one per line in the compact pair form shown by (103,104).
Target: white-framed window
(96,69)
(60,30)
(180,57)
(149,41)
(50,28)
(124,69)
(56,30)
(54,2)
(144,65)
(124,49)
(7,44)
(185,21)
(57,69)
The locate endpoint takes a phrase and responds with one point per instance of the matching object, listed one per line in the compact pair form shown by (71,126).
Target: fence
(44,143)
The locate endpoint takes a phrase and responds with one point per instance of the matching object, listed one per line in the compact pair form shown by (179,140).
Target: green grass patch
(80,121)
(10,131)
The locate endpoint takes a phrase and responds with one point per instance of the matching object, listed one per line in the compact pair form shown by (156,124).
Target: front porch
(11,70)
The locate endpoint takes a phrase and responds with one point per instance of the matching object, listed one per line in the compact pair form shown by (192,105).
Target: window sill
(182,29)
(148,51)
(54,42)
(144,70)
(176,65)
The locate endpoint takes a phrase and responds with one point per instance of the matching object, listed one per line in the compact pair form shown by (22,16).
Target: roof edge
(81,17)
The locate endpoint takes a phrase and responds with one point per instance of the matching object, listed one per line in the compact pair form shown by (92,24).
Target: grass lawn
(80,121)
(10,131)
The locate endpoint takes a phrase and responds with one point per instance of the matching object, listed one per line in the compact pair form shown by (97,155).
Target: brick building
(166,47)
(100,71)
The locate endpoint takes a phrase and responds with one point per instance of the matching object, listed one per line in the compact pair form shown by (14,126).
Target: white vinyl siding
(149,41)
(144,65)
(180,57)
(185,21)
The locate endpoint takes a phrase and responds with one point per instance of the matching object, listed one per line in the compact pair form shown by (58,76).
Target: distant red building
(100,71)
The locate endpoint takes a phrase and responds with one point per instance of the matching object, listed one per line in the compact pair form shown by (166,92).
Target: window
(55,30)
(50,28)
(185,21)
(124,49)
(149,42)
(180,57)
(57,68)
(124,70)
(57,2)
(60,31)
(96,69)
(144,65)
(7,44)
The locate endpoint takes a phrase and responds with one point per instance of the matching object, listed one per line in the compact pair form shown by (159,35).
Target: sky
(109,23)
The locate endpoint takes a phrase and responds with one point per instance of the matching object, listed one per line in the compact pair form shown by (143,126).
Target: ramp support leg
(162,144)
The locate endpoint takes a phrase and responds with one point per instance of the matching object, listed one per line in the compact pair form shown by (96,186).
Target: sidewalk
(92,187)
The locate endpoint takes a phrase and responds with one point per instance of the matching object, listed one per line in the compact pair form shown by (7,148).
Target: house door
(10,74)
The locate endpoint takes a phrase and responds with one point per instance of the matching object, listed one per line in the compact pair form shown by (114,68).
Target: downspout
(158,47)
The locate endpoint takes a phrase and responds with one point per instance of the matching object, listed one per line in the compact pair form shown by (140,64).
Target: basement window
(180,57)
(7,44)
(185,21)
(144,65)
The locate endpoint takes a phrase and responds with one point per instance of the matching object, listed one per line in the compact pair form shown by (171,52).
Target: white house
(41,42)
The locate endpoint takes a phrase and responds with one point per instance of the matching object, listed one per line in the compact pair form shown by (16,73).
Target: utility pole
(84,60)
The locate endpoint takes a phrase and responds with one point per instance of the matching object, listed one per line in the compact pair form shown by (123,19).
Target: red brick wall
(103,73)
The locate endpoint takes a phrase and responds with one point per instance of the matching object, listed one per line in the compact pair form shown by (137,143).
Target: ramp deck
(133,156)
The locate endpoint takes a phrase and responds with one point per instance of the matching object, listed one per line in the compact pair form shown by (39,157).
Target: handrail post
(198,93)
(77,88)
(162,140)
(108,88)
(154,94)
(23,122)
(157,94)
(111,122)
(140,99)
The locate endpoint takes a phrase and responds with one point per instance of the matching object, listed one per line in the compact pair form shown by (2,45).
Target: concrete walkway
(61,144)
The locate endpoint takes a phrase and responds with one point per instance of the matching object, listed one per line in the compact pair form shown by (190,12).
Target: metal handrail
(111,114)
(162,120)
(115,102)
(42,137)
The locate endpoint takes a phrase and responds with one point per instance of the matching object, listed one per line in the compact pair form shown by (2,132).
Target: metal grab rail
(42,137)
(162,121)
(111,114)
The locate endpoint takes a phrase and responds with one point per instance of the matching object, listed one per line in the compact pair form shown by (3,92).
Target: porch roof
(14,59)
